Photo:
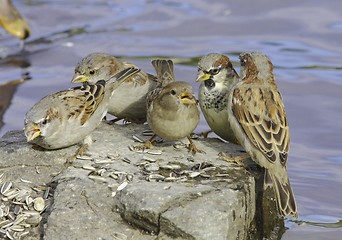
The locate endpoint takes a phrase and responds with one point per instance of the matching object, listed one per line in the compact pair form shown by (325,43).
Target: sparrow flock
(245,109)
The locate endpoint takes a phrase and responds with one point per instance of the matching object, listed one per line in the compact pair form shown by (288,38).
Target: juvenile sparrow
(129,100)
(257,116)
(217,77)
(172,111)
(67,117)
(11,20)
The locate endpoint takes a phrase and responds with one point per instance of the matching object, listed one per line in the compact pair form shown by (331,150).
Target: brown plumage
(257,116)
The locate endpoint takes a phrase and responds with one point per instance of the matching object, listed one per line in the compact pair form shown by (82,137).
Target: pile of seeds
(20,207)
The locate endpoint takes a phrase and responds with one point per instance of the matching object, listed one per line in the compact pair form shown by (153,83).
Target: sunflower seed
(17,228)
(137,139)
(147,132)
(154,152)
(5,187)
(88,167)
(103,161)
(147,158)
(194,174)
(122,186)
(155,177)
(98,178)
(84,157)
(2,177)
(126,160)
(25,181)
(171,167)
(39,204)
(6,223)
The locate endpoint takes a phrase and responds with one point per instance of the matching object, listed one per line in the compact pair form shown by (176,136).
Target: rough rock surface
(116,193)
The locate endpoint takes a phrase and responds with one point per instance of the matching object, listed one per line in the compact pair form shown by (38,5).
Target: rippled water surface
(302,38)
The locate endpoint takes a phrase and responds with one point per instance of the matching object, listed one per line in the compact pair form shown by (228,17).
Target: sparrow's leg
(82,149)
(192,147)
(238,159)
(147,145)
(203,134)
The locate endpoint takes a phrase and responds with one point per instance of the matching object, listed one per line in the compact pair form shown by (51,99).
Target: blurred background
(302,38)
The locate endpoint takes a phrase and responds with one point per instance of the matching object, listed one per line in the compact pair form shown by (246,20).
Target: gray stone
(111,194)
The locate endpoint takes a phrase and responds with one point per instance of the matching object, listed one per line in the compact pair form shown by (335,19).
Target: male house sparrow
(257,116)
(67,117)
(129,100)
(172,111)
(217,77)
(11,20)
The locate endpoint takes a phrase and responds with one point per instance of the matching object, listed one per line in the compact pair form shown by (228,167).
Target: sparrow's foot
(203,134)
(192,147)
(237,159)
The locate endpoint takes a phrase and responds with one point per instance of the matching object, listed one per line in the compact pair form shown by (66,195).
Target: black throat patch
(209,83)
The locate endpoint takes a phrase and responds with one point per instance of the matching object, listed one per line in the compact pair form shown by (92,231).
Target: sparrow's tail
(165,72)
(285,198)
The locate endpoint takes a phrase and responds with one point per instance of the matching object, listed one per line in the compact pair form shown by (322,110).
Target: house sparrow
(217,77)
(257,116)
(11,20)
(172,111)
(129,100)
(67,117)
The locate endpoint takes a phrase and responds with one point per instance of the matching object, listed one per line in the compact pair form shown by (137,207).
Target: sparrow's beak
(32,131)
(79,78)
(12,22)
(187,98)
(202,76)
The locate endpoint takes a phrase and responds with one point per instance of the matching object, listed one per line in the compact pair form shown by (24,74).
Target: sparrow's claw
(203,134)
(192,147)
(237,159)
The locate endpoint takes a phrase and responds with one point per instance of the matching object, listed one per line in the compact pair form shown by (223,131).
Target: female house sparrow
(257,116)
(67,117)
(129,100)
(217,77)
(172,111)
(11,20)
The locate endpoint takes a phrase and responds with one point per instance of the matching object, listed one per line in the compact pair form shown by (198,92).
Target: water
(302,38)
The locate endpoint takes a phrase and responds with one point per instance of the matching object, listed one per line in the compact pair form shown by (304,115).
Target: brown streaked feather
(165,71)
(264,122)
(84,100)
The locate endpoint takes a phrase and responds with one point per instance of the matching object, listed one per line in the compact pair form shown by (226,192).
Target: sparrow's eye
(173,92)
(92,72)
(215,71)
(44,121)
(243,62)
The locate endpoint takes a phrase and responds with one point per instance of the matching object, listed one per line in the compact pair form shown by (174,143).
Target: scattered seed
(84,157)
(147,133)
(126,160)
(137,139)
(148,159)
(88,167)
(98,178)
(25,181)
(103,161)
(122,186)
(155,177)
(5,187)
(154,152)
(194,174)
(39,204)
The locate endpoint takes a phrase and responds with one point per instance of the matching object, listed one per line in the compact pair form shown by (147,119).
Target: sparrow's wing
(84,100)
(260,113)
(152,95)
(165,71)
